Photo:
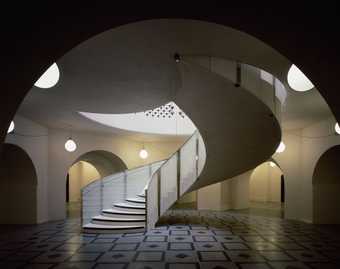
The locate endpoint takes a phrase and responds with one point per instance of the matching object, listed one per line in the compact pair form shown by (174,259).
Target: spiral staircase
(229,140)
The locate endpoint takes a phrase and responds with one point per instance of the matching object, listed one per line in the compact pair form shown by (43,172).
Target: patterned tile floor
(185,239)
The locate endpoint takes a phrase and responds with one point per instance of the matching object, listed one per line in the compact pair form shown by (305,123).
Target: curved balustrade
(174,177)
(260,83)
(116,188)
(179,172)
(166,181)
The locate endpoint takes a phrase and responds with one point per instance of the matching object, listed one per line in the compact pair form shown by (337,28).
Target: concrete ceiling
(139,57)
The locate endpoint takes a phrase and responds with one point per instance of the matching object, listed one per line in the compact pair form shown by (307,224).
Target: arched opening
(326,188)
(85,169)
(267,190)
(18,187)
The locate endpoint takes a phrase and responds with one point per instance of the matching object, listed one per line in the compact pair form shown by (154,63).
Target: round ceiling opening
(298,81)
(49,79)
(11,127)
(337,128)
(281,148)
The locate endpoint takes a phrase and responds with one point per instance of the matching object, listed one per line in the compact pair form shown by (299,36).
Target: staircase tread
(111,227)
(122,212)
(105,218)
(136,200)
(130,205)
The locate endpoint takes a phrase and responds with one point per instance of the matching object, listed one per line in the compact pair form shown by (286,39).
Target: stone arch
(326,187)
(267,180)
(105,162)
(18,186)
(88,167)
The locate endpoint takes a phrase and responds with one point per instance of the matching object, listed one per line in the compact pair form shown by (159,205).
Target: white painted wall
(46,149)
(127,150)
(210,197)
(35,143)
(188,198)
(265,184)
(80,174)
(18,187)
(229,194)
(303,149)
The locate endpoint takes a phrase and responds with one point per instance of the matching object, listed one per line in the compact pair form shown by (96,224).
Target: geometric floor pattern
(185,239)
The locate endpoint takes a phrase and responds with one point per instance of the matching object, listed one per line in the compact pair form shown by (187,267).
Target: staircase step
(127,221)
(99,228)
(136,200)
(121,213)
(131,207)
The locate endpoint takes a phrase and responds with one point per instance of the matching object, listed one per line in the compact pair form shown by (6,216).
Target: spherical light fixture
(298,81)
(70,145)
(281,148)
(11,127)
(49,78)
(143,154)
(337,128)
(272,164)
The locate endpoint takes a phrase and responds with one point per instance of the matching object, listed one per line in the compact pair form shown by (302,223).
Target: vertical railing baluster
(159,192)
(146,209)
(101,194)
(197,153)
(178,174)
(125,185)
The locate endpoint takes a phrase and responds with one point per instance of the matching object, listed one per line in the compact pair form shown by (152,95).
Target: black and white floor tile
(185,239)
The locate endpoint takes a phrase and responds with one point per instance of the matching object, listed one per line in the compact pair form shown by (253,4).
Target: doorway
(267,190)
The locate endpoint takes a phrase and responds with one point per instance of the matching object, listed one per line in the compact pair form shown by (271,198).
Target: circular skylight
(11,127)
(297,80)
(337,128)
(281,148)
(49,78)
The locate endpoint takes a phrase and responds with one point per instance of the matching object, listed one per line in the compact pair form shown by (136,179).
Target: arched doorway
(85,169)
(267,190)
(326,188)
(18,187)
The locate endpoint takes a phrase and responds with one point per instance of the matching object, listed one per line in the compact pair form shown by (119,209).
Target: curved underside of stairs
(239,130)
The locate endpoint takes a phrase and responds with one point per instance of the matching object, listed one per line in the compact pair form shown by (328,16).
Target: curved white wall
(52,161)
(161,120)
(265,184)
(80,174)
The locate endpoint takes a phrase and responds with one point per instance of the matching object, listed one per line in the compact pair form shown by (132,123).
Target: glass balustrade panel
(168,183)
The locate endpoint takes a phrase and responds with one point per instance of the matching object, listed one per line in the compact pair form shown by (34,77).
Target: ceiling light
(70,145)
(143,154)
(281,148)
(49,78)
(272,164)
(337,128)
(11,127)
(297,80)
